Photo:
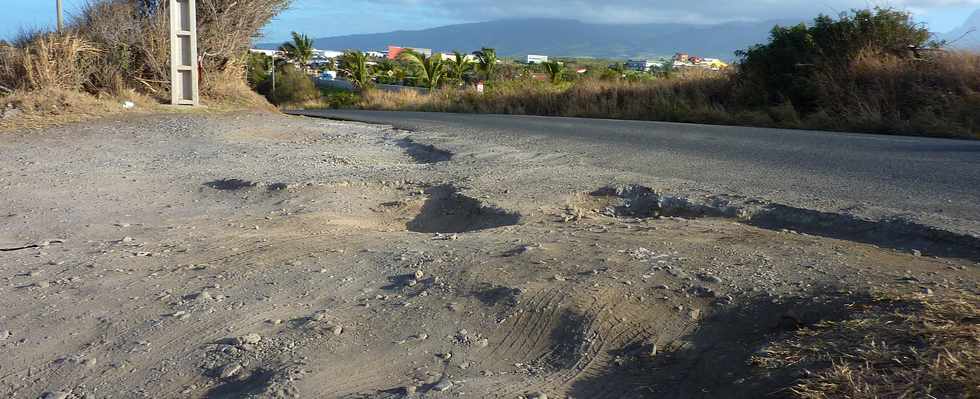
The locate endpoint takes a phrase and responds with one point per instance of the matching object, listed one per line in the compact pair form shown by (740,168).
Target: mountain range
(571,38)
(967,36)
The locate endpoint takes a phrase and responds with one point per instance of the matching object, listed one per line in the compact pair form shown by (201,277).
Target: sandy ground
(260,255)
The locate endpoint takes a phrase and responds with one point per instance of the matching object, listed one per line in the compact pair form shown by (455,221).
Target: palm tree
(487,61)
(300,51)
(353,66)
(555,70)
(429,70)
(459,65)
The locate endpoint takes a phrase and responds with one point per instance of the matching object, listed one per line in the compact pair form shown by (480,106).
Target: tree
(459,65)
(555,70)
(299,51)
(429,70)
(353,66)
(486,61)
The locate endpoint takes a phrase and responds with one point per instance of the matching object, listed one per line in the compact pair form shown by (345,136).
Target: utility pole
(58,8)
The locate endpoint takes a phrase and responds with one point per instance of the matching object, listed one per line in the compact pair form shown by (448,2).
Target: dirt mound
(448,211)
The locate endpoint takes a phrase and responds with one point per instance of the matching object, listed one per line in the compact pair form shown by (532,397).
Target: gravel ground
(261,255)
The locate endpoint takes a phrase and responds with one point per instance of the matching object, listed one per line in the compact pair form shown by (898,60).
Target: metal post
(58,8)
(184,72)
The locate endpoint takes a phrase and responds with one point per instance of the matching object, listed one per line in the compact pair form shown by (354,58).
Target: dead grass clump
(890,347)
(46,61)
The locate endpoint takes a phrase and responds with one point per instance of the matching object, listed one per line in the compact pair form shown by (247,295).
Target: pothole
(636,201)
(230,184)
(448,211)
(642,202)
(424,153)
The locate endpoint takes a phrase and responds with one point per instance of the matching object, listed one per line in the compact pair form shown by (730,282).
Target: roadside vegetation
(868,70)
(116,50)
(889,346)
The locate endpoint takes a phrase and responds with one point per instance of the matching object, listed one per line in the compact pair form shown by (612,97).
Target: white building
(641,65)
(536,59)
(328,53)
(270,53)
(452,57)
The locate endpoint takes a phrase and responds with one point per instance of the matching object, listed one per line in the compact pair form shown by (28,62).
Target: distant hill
(971,40)
(559,37)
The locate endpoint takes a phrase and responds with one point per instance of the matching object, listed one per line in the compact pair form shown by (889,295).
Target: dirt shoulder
(237,255)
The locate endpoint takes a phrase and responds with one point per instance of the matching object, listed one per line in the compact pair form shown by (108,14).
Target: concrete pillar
(183,53)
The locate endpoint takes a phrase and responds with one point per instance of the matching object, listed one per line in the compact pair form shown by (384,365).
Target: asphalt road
(904,174)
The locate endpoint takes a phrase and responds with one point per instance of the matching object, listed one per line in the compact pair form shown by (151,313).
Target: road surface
(906,174)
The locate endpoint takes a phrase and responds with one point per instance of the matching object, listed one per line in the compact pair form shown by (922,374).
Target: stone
(230,370)
(419,274)
(443,385)
(55,395)
(248,339)
(127,239)
(482,343)
(537,395)
(916,252)
(708,278)
(336,330)
(411,390)
(42,284)
(4,334)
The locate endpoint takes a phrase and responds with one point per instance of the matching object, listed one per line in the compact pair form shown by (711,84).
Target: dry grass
(46,61)
(889,347)
(117,50)
(57,106)
(878,93)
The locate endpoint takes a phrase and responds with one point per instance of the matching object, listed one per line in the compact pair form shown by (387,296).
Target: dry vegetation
(889,347)
(118,49)
(880,93)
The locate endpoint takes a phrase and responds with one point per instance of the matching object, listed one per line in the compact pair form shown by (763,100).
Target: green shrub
(291,86)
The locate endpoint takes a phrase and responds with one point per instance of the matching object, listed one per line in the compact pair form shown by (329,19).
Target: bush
(292,86)
(116,45)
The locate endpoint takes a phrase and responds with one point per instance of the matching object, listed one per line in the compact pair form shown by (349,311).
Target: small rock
(482,343)
(274,321)
(412,282)
(419,274)
(537,395)
(916,252)
(90,362)
(42,284)
(445,356)
(248,339)
(925,291)
(336,330)
(55,395)
(711,279)
(230,370)
(559,277)
(4,334)
(411,390)
(204,296)
(127,239)
(443,385)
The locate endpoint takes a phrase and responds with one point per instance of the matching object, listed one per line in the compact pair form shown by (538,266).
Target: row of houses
(680,60)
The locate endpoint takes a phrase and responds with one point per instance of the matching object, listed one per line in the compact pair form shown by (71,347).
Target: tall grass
(119,45)
(877,92)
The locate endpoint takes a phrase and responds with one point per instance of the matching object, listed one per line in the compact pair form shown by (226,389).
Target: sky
(323,18)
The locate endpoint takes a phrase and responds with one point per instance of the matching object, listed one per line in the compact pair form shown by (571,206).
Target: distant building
(270,53)
(328,53)
(451,57)
(395,51)
(682,57)
(641,65)
(536,59)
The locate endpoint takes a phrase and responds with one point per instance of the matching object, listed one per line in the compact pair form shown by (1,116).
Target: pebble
(482,343)
(42,284)
(411,390)
(127,239)
(443,385)
(4,334)
(419,274)
(925,291)
(711,279)
(55,395)
(336,330)
(248,339)
(537,395)
(230,370)
(916,252)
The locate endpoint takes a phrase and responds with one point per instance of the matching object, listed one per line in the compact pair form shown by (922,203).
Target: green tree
(788,67)
(487,62)
(459,65)
(353,66)
(428,70)
(555,71)
(299,51)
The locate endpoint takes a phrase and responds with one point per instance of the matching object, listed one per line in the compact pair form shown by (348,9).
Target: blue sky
(321,18)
